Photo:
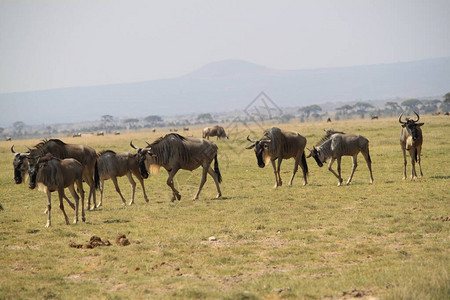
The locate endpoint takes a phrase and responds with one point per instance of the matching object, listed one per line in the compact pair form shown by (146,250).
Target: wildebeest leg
(419,150)
(81,191)
(294,172)
(202,182)
(175,193)
(369,164)
(89,178)
(133,187)
(275,172)
(114,180)
(355,164)
(141,181)
(280,159)
(216,181)
(68,201)
(102,185)
(332,171)
(413,164)
(77,202)
(49,209)
(404,162)
(61,204)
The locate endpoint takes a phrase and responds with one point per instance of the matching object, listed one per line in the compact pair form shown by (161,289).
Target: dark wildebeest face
(317,155)
(141,156)
(261,147)
(33,171)
(20,164)
(411,126)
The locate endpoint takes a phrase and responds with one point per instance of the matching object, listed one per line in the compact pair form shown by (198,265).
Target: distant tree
(131,123)
(361,108)
(205,118)
(153,119)
(445,106)
(107,121)
(311,109)
(18,127)
(431,106)
(285,118)
(411,105)
(344,110)
(447,98)
(1,130)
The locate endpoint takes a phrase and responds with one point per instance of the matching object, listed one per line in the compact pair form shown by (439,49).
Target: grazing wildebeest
(84,154)
(21,168)
(185,128)
(329,120)
(154,130)
(53,174)
(78,134)
(175,152)
(99,133)
(117,133)
(335,145)
(217,131)
(8,138)
(112,165)
(411,139)
(277,144)
(374,118)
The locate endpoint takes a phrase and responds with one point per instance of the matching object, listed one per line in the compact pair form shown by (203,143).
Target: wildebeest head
(20,164)
(261,147)
(141,156)
(317,155)
(33,170)
(411,126)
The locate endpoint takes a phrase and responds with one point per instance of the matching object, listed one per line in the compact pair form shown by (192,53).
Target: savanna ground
(389,240)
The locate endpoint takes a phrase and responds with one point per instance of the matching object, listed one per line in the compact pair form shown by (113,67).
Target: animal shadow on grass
(116,221)
(441,177)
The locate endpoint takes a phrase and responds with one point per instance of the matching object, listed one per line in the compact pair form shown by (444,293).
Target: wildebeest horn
(400,119)
(417,117)
(12,150)
(250,140)
(132,146)
(148,144)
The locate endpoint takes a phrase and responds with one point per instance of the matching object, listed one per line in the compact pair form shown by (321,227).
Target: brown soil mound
(95,241)
(122,240)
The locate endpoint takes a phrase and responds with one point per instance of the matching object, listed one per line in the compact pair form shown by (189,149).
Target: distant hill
(226,86)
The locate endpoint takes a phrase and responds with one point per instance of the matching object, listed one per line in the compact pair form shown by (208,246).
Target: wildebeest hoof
(219,195)
(131,203)
(75,221)
(83,219)
(178,197)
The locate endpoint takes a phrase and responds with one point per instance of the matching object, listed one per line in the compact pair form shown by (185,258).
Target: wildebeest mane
(327,136)
(170,146)
(278,142)
(58,151)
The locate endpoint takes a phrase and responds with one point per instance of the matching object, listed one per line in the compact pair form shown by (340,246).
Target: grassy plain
(389,240)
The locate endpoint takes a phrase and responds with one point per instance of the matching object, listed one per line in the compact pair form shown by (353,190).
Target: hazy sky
(61,43)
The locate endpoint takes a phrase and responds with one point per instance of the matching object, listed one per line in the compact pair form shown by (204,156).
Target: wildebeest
(8,138)
(185,128)
(277,144)
(117,133)
(53,174)
(112,165)
(329,120)
(374,118)
(84,154)
(175,152)
(335,145)
(99,133)
(217,131)
(21,168)
(411,139)
(78,134)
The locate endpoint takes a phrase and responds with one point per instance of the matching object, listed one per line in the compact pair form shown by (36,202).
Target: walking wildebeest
(336,145)
(112,165)
(175,152)
(411,139)
(217,131)
(53,174)
(277,144)
(21,168)
(84,154)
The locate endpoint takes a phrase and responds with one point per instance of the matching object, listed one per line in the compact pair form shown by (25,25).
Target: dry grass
(388,240)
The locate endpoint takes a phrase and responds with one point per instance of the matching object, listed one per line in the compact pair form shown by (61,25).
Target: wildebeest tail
(304,164)
(216,169)
(96,177)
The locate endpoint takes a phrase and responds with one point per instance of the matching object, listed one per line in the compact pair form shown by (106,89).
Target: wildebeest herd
(53,165)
